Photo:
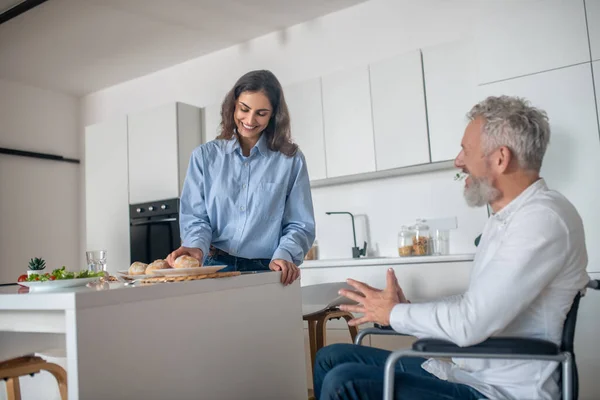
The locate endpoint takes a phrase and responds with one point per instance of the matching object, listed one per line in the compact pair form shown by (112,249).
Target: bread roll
(157,264)
(137,268)
(186,262)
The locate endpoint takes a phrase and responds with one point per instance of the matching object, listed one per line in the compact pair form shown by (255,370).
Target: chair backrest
(568,339)
(568,334)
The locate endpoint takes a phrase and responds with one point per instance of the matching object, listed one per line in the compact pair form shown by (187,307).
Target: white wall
(381,207)
(39,199)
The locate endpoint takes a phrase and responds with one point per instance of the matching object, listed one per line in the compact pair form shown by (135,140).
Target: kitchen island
(228,338)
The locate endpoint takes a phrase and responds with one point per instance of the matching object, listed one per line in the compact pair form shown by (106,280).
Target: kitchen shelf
(388,173)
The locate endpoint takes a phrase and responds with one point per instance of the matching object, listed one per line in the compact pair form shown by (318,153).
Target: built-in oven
(154,230)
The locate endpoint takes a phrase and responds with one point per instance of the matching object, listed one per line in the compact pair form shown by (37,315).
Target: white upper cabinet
(593,20)
(516,38)
(348,123)
(106,192)
(399,119)
(306,113)
(212,120)
(161,141)
(450,74)
(571,163)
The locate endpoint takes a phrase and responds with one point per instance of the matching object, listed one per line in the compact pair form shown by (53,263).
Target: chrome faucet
(356,251)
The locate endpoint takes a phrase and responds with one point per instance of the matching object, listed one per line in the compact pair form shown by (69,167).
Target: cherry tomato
(22,278)
(52,278)
(37,278)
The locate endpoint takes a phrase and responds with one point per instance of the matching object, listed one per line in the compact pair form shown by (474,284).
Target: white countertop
(366,261)
(83,297)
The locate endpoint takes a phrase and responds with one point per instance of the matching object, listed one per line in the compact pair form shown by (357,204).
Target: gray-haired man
(529,265)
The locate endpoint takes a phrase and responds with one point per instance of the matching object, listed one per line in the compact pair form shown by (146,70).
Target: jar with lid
(421,239)
(405,241)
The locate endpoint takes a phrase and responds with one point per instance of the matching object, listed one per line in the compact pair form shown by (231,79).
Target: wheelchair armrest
(499,345)
(383,327)
(375,331)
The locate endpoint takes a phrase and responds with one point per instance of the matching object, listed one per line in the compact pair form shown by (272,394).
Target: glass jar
(441,242)
(421,240)
(405,241)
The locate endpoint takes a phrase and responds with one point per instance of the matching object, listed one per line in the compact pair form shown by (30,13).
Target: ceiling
(81,46)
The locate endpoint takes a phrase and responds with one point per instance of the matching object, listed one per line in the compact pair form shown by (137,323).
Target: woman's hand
(289,271)
(185,251)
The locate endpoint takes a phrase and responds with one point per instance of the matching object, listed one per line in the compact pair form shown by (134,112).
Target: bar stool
(317,326)
(11,370)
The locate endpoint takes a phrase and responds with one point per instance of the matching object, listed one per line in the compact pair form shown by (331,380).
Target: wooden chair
(317,327)
(11,370)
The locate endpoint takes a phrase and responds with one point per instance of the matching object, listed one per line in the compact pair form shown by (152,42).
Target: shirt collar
(261,145)
(521,199)
(234,144)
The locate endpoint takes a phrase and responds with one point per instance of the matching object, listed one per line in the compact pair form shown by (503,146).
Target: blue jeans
(350,372)
(238,263)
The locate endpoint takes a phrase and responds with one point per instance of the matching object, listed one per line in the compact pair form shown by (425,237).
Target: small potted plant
(36,266)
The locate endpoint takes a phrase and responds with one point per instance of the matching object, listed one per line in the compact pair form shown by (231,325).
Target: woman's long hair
(278,131)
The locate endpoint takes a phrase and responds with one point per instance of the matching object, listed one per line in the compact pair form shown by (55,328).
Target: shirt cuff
(198,245)
(399,317)
(283,255)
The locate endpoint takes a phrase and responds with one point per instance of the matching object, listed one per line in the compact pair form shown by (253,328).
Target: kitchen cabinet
(571,162)
(450,75)
(348,122)
(106,191)
(161,141)
(306,113)
(211,120)
(517,38)
(593,20)
(399,119)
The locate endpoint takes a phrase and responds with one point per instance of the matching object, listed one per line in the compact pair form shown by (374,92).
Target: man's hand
(289,271)
(185,251)
(375,304)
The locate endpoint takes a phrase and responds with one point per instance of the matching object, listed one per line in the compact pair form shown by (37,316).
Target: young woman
(246,201)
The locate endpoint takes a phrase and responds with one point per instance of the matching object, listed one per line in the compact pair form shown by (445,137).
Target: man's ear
(504,158)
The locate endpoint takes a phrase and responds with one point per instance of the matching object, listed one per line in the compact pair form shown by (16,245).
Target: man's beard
(480,192)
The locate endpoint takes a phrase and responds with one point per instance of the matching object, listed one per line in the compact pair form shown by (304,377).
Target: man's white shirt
(529,265)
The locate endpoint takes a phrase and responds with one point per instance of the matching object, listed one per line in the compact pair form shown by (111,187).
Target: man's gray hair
(514,123)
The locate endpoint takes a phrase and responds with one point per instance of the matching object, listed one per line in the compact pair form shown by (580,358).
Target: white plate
(189,271)
(125,274)
(58,284)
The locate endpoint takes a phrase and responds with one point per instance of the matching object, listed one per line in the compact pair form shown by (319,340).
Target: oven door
(154,238)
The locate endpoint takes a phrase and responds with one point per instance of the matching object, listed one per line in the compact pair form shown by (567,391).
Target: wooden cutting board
(164,279)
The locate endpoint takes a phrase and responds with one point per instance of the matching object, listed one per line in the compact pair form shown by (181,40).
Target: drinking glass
(441,242)
(96,261)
